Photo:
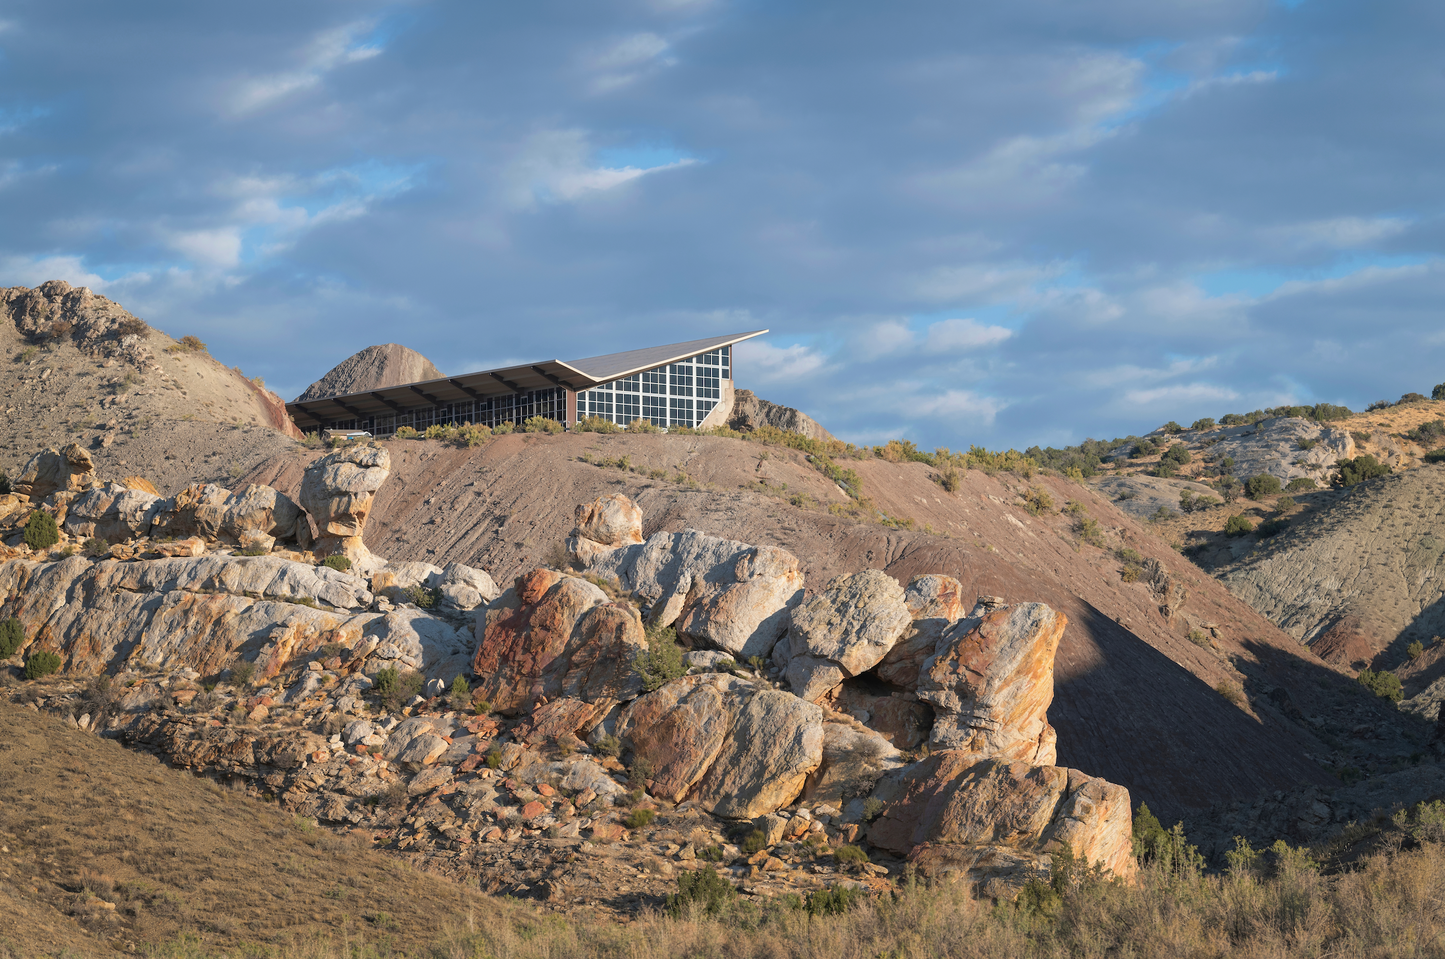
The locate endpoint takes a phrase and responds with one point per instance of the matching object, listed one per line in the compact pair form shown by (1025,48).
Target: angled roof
(573,374)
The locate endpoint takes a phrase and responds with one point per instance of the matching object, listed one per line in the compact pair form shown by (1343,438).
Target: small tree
(662,663)
(1262,485)
(43,662)
(1438,393)
(1204,423)
(1358,470)
(41,532)
(1237,525)
(11,636)
(1384,684)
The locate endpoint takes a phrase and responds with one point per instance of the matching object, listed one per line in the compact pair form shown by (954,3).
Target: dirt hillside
(80,369)
(105,850)
(389,364)
(1137,700)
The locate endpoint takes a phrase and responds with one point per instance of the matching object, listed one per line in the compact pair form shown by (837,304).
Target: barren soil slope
(1377,554)
(1136,700)
(135,400)
(106,850)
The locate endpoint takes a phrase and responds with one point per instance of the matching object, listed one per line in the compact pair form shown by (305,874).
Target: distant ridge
(389,364)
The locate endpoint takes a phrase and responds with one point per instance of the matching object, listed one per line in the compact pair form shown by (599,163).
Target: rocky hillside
(1139,701)
(750,412)
(371,369)
(80,369)
(1371,563)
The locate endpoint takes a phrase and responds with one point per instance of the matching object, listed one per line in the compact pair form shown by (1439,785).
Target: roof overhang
(574,375)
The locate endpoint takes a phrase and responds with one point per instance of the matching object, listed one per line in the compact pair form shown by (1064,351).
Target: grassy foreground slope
(106,851)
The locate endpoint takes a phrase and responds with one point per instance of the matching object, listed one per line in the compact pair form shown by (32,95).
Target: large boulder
(605,524)
(716,592)
(112,513)
(50,471)
(254,514)
(935,602)
(844,631)
(854,759)
(993,819)
(338,491)
(991,683)
(557,635)
(737,749)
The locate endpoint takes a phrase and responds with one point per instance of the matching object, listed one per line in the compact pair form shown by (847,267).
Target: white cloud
(629,59)
(1341,233)
(33,271)
(554,166)
(979,281)
(884,338)
(217,248)
(1180,394)
(965,334)
(764,363)
(1368,276)
(326,52)
(957,405)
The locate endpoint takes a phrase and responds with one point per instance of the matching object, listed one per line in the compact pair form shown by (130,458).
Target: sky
(963,223)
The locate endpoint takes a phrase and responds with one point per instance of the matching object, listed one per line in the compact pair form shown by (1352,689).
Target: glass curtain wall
(488,411)
(678,394)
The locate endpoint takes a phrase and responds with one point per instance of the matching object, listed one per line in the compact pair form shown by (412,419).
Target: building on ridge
(678,384)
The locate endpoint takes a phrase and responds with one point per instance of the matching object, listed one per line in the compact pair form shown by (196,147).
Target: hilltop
(80,369)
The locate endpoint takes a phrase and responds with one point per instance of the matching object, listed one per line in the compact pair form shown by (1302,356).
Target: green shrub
(662,663)
(1038,501)
(1415,650)
(1189,502)
(1285,503)
(1384,684)
(639,818)
(423,596)
(1167,847)
(406,433)
(256,550)
(609,746)
(873,808)
(1164,469)
(1272,528)
(1090,531)
(96,548)
(833,901)
(1161,514)
(1308,444)
(1128,554)
(1237,525)
(40,663)
(1262,485)
(1428,434)
(710,854)
(494,758)
(1438,393)
(597,424)
(501,429)
(1301,484)
(643,426)
(188,344)
(1206,423)
(949,479)
(850,855)
(1177,454)
(1172,428)
(386,682)
(337,562)
(754,842)
(241,672)
(541,424)
(41,532)
(461,692)
(1435,456)
(470,436)
(701,889)
(4,485)
(1359,470)
(11,636)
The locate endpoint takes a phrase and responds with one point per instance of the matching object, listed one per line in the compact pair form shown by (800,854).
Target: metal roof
(575,375)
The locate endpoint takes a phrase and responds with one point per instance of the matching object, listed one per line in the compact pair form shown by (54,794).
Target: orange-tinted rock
(610,521)
(991,685)
(679,730)
(557,720)
(557,636)
(843,631)
(935,602)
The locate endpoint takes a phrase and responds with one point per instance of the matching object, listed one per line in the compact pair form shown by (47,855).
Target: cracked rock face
(844,631)
(991,682)
(68,470)
(338,491)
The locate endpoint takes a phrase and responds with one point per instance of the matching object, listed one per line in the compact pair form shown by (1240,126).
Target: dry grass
(1394,905)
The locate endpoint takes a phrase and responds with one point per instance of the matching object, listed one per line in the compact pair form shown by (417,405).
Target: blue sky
(1002,224)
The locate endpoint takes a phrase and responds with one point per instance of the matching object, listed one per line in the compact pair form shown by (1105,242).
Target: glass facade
(679,394)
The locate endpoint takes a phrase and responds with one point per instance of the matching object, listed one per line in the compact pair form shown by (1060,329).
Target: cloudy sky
(994,223)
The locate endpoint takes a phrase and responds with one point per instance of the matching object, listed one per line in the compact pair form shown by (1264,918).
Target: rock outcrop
(556,635)
(373,368)
(338,491)
(737,749)
(844,631)
(751,412)
(991,684)
(69,470)
(716,592)
(997,823)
